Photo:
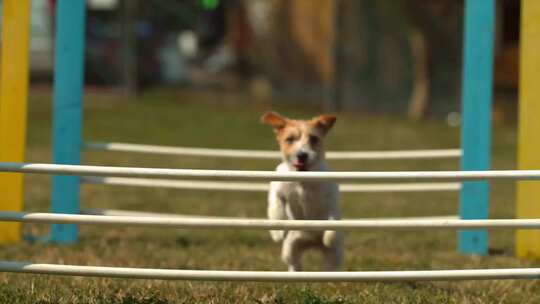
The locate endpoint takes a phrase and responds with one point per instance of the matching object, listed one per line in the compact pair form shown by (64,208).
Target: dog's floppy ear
(324,122)
(277,121)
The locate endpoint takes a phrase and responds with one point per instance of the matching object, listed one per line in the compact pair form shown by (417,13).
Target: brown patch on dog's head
(300,141)
(277,121)
(324,122)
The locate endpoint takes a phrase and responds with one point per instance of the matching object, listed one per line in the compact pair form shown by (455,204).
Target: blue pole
(479,23)
(67,111)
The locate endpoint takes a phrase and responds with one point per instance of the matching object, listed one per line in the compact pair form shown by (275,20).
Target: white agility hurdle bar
(264,187)
(270,276)
(262,154)
(263,224)
(113,212)
(235,175)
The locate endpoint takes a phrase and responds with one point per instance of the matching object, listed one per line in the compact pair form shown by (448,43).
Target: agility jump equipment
(240,175)
(264,154)
(477,87)
(13,104)
(275,155)
(210,275)
(479,29)
(264,224)
(527,242)
(113,212)
(477,108)
(272,155)
(67,110)
(264,187)
(528,130)
(271,276)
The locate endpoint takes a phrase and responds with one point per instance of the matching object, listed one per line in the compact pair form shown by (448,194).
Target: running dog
(302,149)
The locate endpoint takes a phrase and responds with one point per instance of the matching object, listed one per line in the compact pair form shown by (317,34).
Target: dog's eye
(313,140)
(290,139)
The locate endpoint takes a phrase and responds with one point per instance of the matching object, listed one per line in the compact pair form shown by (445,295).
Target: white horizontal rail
(264,187)
(176,184)
(235,175)
(171,222)
(113,212)
(261,154)
(270,276)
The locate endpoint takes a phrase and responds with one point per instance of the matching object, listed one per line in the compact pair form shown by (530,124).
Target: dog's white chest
(307,200)
(311,202)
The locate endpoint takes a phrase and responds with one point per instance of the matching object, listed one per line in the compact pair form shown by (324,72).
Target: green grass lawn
(227,120)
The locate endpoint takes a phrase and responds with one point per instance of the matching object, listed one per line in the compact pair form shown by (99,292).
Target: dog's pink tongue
(300,166)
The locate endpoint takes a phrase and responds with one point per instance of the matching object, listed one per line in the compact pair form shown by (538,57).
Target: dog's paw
(277,235)
(331,238)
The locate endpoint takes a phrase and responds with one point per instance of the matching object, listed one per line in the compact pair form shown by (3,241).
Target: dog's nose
(302,156)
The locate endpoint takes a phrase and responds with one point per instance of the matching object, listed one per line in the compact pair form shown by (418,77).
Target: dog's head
(300,141)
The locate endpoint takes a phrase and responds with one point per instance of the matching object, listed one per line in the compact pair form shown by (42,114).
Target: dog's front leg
(333,251)
(276,210)
(291,252)
(332,244)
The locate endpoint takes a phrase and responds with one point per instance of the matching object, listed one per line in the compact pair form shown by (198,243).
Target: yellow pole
(13,105)
(528,193)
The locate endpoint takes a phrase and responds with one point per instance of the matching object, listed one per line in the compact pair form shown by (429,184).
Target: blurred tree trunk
(418,103)
(129,48)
